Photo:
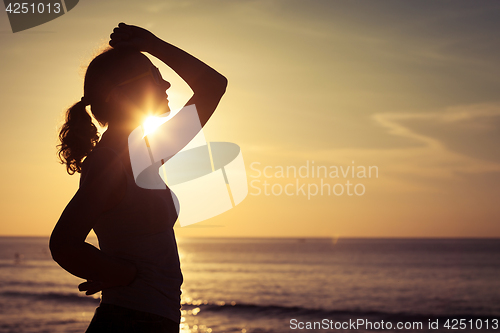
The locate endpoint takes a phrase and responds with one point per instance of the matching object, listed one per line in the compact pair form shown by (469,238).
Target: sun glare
(152,123)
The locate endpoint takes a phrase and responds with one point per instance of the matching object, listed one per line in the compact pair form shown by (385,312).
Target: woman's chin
(162,109)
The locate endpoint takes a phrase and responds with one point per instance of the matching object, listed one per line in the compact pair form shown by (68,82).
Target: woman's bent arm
(67,242)
(83,259)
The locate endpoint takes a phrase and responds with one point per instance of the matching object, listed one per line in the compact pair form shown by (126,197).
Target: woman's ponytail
(78,137)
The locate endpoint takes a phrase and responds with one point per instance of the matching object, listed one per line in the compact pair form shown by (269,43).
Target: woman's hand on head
(132,36)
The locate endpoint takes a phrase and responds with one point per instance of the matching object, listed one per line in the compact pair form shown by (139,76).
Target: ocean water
(282,285)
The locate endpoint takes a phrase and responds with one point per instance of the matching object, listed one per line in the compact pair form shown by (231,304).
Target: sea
(282,285)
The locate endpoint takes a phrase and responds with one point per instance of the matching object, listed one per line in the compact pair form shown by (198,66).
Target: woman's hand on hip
(91,287)
(127,276)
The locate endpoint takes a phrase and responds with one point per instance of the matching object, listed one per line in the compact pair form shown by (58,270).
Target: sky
(408,88)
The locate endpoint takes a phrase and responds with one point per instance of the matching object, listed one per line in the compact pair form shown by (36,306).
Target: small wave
(255,310)
(37,284)
(297,312)
(63,297)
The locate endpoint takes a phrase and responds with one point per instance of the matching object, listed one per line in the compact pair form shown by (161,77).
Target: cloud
(454,145)
(472,131)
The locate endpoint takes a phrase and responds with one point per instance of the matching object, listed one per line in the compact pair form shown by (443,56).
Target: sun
(152,123)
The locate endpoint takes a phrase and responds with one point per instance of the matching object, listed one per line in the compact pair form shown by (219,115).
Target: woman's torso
(140,229)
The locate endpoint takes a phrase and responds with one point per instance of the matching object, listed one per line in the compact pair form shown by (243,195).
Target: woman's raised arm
(207,84)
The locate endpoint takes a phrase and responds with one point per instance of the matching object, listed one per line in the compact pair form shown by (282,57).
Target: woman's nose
(165,84)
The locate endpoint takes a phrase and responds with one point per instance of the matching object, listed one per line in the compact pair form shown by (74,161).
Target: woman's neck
(117,141)
(114,139)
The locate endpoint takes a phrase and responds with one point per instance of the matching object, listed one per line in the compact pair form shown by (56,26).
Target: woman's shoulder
(102,152)
(102,163)
(99,157)
(103,178)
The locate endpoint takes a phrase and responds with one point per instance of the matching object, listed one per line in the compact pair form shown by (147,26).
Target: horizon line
(297,237)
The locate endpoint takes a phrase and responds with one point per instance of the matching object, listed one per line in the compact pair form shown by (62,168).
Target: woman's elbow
(58,247)
(55,248)
(223,82)
(213,85)
(220,86)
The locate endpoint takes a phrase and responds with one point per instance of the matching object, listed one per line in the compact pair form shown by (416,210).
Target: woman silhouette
(137,266)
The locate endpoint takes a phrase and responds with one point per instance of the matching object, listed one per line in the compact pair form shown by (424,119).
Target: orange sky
(411,88)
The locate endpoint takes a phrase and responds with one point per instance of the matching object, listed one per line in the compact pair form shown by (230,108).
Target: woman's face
(143,91)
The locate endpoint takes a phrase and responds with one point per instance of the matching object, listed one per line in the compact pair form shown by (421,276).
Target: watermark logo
(206,178)
(310,180)
(28,14)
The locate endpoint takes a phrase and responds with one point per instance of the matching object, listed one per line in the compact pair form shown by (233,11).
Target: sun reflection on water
(189,323)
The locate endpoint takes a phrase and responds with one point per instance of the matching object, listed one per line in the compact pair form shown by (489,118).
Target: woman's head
(121,88)
(116,85)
